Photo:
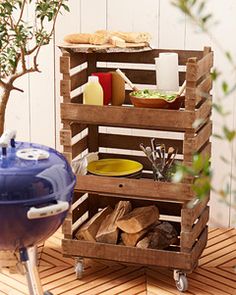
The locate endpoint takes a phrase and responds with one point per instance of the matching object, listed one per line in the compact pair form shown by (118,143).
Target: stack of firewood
(139,227)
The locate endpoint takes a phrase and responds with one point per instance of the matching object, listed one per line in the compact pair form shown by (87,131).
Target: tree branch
(22,73)
(21,13)
(50,35)
(23,58)
(2,83)
(17,89)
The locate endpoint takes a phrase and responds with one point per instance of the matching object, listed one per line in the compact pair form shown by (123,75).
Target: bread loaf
(133,37)
(77,38)
(99,38)
(117,42)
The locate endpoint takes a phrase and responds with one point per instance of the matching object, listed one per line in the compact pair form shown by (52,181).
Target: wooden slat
(92,63)
(189,215)
(77,98)
(127,116)
(199,246)
(202,136)
(65,88)
(80,211)
(79,79)
(205,64)
(65,64)
(140,76)
(203,89)
(189,238)
(67,228)
(127,254)
(77,128)
(80,146)
(205,152)
(133,142)
(65,137)
(134,188)
(196,70)
(68,156)
(147,57)
(188,145)
(165,208)
(93,135)
(205,110)
(77,59)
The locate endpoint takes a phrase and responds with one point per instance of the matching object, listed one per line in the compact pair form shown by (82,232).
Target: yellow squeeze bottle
(93,92)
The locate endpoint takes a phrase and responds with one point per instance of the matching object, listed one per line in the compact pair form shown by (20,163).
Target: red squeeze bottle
(105,79)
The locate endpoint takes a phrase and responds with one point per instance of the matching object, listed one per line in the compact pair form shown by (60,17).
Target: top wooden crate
(197,101)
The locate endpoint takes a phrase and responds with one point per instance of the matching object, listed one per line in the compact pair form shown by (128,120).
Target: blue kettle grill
(36,187)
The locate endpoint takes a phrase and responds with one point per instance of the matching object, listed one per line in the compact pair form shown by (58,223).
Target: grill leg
(32,275)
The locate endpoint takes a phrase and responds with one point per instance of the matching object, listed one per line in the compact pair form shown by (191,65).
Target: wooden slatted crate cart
(106,129)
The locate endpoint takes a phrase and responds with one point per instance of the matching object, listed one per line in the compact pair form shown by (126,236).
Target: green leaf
(218,136)
(220,109)
(225,87)
(215,74)
(206,18)
(228,56)
(229,134)
(223,159)
(66,7)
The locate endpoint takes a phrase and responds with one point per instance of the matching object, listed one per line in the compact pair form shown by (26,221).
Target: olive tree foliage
(197,12)
(21,40)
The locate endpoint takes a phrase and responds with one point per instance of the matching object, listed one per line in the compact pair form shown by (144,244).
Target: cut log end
(108,231)
(138,219)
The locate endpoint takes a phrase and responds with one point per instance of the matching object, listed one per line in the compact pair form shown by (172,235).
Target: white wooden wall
(35,114)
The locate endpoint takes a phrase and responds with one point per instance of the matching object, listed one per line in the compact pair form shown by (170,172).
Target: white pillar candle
(167,74)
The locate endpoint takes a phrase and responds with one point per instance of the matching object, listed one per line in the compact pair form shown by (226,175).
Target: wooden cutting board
(105,47)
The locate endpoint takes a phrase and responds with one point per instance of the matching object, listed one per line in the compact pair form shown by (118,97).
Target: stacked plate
(116,168)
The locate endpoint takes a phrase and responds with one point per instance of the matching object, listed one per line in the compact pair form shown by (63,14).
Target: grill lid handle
(51,210)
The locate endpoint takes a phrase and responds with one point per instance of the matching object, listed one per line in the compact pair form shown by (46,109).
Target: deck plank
(215,276)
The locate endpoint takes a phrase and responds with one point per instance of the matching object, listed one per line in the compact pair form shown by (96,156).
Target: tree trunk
(4,97)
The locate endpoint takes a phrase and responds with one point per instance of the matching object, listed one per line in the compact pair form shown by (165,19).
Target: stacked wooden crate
(83,132)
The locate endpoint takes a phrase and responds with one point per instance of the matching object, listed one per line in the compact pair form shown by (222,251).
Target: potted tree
(20,44)
(21,41)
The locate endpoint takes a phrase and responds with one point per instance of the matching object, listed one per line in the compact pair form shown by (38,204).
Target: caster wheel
(79,268)
(47,293)
(182,283)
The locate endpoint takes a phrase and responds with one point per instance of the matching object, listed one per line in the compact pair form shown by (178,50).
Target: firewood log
(89,229)
(132,239)
(161,237)
(108,231)
(139,219)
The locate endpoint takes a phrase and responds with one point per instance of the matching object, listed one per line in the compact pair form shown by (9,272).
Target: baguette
(77,38)
(133,37)
(117,42)
(99,38)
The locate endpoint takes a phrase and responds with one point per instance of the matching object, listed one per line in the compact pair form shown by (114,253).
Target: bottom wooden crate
(146,257)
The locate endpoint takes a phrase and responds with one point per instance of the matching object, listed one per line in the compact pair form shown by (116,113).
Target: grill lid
(32,172)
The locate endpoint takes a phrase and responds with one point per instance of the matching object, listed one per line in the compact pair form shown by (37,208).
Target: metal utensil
(163,153)
(170,158)
(153,145)
(148,152)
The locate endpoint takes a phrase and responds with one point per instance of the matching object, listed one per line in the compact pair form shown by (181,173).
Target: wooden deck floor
(216,274)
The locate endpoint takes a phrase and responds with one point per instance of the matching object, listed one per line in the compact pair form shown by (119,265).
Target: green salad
(146,93)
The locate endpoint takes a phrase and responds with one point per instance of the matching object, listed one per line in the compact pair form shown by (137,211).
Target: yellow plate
(114,167)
